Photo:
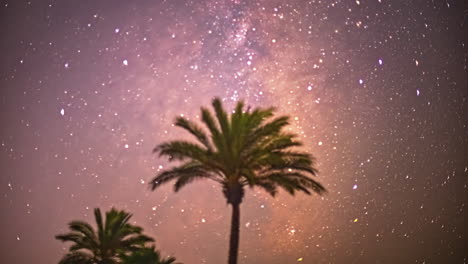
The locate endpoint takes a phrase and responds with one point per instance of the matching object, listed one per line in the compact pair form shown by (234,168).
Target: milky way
(376,89)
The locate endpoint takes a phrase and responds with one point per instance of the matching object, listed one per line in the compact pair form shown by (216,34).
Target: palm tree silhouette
(112,238)
(247,148)
(147,255)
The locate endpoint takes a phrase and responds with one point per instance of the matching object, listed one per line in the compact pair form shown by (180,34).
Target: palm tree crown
(147,255)
(113,237)
(245,148)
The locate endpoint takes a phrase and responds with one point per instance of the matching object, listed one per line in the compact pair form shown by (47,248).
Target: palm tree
(147,255)
(113,237)
(247,148)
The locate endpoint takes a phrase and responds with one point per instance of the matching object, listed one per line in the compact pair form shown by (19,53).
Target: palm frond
(117,221)
(222,117)
(257,117)
(129,229)
(169,260)
(77,257)
(146,255)
(281,142)
(100,223)
(291,181)
(263,183)
(80,241)
(83,245)
(238,129)
(210,123)
(236,116)
(185,179)
(181,150)
(72,237)
(192,168)
(195,130)
(85,229)
(284,161)
(134,242)
(268,129)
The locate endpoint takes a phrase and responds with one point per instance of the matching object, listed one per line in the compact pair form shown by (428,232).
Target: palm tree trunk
(234,239)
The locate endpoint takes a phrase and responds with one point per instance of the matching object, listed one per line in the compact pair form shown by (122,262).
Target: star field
(376,89)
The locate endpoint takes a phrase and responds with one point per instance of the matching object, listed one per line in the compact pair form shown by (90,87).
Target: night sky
(376,89)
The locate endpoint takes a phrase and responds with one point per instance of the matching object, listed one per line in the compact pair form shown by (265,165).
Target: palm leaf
(222,117)
(181,150)
(195,130)
(185,179)
(77,258)
(193,168)
(100,224)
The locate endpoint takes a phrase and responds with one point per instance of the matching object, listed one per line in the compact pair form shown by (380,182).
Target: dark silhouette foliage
(113,237)
(248,148)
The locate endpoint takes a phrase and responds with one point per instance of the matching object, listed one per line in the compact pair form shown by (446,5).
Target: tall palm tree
(113,237)
(147,255)
(245,148)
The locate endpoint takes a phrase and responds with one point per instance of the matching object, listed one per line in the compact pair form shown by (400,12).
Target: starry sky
(376,89)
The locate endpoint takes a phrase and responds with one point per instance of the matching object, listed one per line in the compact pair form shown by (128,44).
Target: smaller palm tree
(113,237)
(147,255)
